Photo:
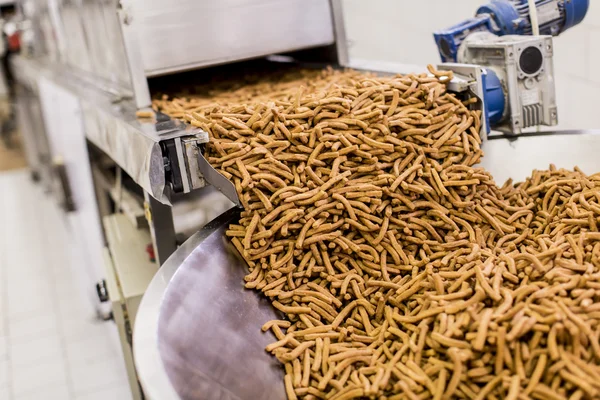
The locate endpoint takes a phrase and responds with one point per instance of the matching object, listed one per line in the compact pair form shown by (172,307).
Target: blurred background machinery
(9,44)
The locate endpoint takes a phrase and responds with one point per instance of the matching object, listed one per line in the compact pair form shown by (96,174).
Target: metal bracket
(183,171)
(191,150)
(180,157)
(215,178)
(468,78)
(172,169)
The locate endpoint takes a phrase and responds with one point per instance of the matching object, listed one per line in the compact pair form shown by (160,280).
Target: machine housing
(523,65)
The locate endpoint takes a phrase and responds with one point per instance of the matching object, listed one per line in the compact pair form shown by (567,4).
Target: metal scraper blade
(213,177)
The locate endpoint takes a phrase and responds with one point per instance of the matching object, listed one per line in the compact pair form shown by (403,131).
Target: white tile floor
(51,345)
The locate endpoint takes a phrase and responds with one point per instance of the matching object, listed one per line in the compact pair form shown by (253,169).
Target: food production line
(131,179)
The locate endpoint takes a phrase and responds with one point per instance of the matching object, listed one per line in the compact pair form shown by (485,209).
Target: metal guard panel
(138,155)
(184,34)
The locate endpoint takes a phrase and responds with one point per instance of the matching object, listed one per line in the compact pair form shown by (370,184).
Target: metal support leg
(162,229)
(102,187)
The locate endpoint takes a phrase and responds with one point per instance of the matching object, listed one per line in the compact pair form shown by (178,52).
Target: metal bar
(182,166)
(134,58)
(102,188)
(162,228)
(339,30)
(497,135)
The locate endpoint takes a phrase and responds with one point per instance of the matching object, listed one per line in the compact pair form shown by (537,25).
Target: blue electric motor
(494,99)
(512,17)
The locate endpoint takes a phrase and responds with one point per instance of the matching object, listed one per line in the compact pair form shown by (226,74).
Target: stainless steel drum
(197,333)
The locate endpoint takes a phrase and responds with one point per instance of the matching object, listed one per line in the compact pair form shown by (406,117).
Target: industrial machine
(107,59)
(504,38)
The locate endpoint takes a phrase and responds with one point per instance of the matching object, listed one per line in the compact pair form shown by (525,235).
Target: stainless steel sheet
(208,333)
(184,34)
(218,180)
(516,157)
(112,125)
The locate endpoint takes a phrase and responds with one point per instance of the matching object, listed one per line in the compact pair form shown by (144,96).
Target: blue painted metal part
(503,13)
(450,39)
(570,13)
(493,98)
(575,10)
(508,17)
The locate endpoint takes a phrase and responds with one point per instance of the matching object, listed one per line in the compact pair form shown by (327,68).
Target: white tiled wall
(401,31)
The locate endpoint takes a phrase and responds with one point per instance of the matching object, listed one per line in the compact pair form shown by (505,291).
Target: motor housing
(512,17)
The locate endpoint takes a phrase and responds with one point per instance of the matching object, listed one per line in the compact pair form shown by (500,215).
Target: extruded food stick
(401,269)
